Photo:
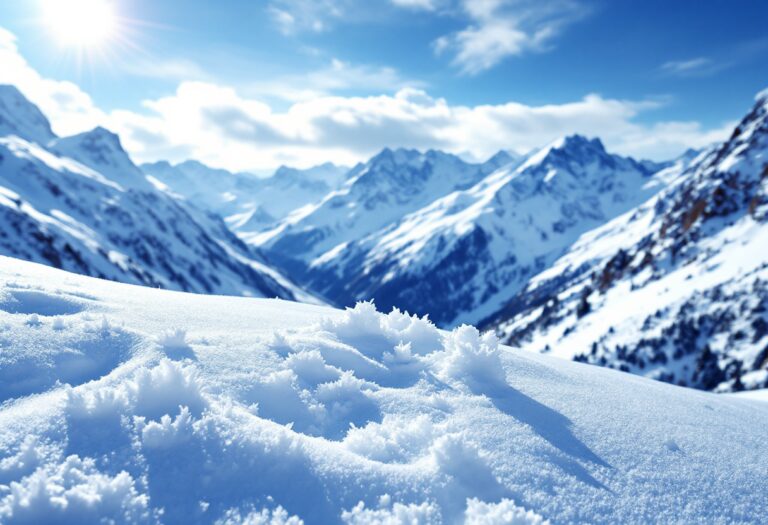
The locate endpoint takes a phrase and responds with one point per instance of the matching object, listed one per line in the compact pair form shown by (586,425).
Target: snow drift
(123,404)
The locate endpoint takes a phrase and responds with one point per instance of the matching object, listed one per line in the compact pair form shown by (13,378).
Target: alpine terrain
(79,203)
(675,289)
(461,256)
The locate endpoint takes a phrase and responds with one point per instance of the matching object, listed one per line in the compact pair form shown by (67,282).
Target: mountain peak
(98,139)
(327,174)
(20,117)
(568,148)
(101,150)
(762,97)
(396,156)
(577,141)
(159,165)
(103,136)
(502,158)
(193,164)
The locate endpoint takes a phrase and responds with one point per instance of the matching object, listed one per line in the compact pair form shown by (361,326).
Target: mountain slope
(376,194)
(19,117)
(676,289)
(461,257)
(79,203)
(255,410)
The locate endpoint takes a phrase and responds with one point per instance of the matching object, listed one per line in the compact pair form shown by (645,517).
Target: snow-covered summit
(375,194)
(18,116)
(101,150)
(501,159)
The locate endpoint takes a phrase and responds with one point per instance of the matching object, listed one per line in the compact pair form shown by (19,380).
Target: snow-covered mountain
(126,405)
(247,203)
(676,289)
(462,256)
(375,195)
(79,203)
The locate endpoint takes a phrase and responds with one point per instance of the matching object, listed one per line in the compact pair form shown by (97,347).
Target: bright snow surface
(124,404)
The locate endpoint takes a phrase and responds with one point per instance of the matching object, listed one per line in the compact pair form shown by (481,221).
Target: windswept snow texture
(675,289)
(124,404)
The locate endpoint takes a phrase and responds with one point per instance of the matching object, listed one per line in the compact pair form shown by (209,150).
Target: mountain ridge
(470,232)
(695,249)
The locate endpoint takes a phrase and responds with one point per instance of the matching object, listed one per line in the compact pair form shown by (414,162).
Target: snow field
(161,407)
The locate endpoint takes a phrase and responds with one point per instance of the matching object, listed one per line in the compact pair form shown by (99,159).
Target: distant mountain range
(462,255)
(248,204)
(658,269)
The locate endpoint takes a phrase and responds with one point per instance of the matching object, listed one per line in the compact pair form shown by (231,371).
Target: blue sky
(304,81)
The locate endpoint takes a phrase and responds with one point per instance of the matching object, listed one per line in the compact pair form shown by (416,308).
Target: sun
(82,24)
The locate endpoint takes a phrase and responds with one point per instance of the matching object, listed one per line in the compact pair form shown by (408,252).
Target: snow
(124,404)
(757,395)
(482,513)
(74,492)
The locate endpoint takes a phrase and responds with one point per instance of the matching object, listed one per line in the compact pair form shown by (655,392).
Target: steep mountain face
(19,117)
(80,204)
(375,195)
(461,257)
(247,203)
(676,289)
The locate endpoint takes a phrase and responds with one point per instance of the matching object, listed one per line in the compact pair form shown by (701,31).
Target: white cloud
(495,29)
(700,66)
(216,125)
(69,108)
(682,67)
(337,76)
(503,28)
(426,5)
(292,16)
(220,126)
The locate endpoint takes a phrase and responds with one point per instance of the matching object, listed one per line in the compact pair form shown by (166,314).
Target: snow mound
(363,323)
(75,492)
(388,513)
(473,357)
(287,413)
(504,512)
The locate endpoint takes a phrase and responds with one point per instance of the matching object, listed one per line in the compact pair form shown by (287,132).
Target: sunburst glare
(81,23)
(90,30)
